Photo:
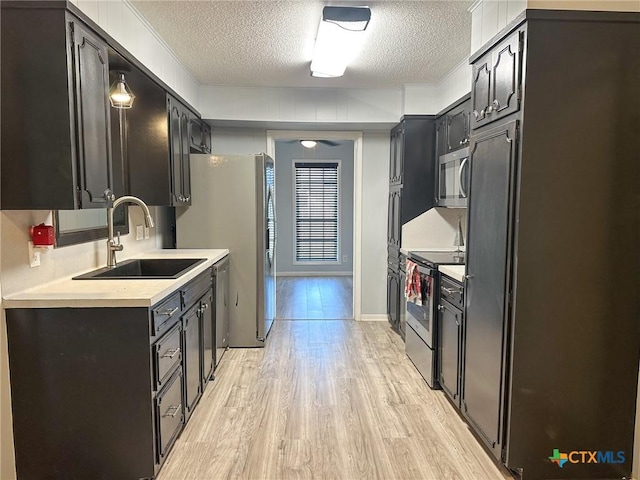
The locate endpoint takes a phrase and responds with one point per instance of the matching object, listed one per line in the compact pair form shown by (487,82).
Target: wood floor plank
(326,399)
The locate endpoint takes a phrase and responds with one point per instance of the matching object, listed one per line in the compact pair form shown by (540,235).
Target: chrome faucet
(112,245)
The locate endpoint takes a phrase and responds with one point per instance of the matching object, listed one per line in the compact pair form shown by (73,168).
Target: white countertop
(68,293)
(454,271)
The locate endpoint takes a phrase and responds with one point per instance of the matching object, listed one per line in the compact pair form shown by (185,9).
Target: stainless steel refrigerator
(233,207)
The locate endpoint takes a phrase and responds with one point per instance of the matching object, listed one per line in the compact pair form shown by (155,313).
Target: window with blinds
(316,211)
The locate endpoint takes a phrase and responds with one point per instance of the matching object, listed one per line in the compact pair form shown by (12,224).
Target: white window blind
(316,211)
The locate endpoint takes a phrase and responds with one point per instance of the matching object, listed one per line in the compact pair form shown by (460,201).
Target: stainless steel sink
(144,268)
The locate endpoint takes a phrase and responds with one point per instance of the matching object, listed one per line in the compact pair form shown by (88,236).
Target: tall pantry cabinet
(411,193)
(552,336)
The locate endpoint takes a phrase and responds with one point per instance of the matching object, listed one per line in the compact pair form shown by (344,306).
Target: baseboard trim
(314,274)
(374,317)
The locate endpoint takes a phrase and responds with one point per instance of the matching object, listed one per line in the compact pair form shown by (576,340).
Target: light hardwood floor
(326,400)
(300,298)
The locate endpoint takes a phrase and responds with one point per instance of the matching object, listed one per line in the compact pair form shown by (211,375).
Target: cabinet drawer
(166,314)
(167,354)
(169,415)
(452,292)
(196,288)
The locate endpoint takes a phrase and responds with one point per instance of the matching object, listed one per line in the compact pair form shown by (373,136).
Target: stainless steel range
(421,336)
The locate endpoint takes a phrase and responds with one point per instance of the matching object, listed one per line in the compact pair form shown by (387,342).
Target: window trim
(339,215)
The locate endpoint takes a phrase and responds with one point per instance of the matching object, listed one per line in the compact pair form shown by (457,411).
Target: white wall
(123,22)
(375,192)
(488,17)
(316,105)
(455,85)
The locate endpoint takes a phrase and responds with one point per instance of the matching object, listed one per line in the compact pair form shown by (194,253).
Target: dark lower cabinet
(221,282)
(169,410)
(393,297)
(449,347)
(105,392)
(191,362)
(207,328)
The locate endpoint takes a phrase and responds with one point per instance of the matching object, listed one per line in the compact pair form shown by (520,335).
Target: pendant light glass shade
(120,95)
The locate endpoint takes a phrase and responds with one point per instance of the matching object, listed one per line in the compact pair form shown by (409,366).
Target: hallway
(327,298)
(332,399)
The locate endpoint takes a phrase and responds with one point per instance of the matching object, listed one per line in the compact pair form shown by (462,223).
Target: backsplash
(60,262)
(434,229)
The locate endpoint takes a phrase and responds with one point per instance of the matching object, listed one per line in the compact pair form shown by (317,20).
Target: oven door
(420,314)
(453,179)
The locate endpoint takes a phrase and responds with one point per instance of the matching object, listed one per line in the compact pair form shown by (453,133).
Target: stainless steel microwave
(453,179)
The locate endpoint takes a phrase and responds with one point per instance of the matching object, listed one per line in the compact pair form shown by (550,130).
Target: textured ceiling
(270,43)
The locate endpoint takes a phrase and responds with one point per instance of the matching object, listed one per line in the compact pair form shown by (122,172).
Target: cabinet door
(222,309)
(493,156)
(399,162)
(458,127)
(450,328)
(392,156)
(506,77)
(91,77)
(207,328)
(185,171)
(441,137)
(206,138)
(191,359)
(397,217)
(393,297)
(481,90)
(195,135)
(176,153)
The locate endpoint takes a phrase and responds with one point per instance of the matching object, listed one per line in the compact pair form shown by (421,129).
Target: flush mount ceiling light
(340,38)
(120,95)
(308,143)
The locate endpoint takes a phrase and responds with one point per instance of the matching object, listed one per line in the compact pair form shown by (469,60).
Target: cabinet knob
(496,104)
(476,114)
(489,109)
(440,307)
(187,198)
(481,113)
(468,276)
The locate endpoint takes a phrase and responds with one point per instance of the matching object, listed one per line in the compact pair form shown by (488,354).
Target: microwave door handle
(460,170)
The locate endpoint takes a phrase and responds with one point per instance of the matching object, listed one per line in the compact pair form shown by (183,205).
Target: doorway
(316,217)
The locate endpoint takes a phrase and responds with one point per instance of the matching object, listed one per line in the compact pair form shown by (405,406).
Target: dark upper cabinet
(56,139)
(199,136)
(496,79)
(91,76)
(452,127)
(397,150)
(412,164)
(179,120)
(457,121)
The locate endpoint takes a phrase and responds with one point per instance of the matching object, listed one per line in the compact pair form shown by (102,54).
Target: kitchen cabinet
(393,297)
(221,285)
(496,79)
(450,337)
(56,125)
(453,127)
(527,339)
(412,169)
(207,306)
(179,146)
(139,371)
(199,136)
(191,363)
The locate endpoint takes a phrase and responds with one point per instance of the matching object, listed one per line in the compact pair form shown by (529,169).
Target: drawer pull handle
(175,409)
(451,291)
(171,353)
(170,313)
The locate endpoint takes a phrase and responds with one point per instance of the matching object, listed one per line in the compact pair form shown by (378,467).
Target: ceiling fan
(313,143)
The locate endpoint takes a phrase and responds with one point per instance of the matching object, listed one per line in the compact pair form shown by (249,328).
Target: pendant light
(120,95)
